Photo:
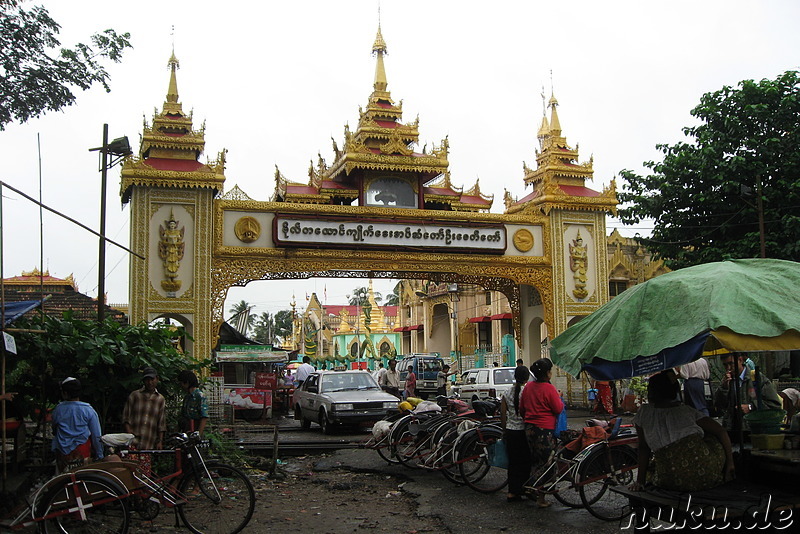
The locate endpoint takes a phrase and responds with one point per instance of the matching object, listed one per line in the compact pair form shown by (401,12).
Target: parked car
(336,398)
(484,383)
(426,367)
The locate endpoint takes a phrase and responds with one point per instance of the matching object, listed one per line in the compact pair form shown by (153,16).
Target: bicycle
(208,497)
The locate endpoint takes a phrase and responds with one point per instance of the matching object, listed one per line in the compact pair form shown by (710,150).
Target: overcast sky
(273,81)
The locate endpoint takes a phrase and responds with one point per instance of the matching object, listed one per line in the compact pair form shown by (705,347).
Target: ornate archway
(381,209)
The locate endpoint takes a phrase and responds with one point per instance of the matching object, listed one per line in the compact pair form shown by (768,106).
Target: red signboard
(358,365)
(266,381)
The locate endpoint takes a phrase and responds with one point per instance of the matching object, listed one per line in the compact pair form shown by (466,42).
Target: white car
(482,383)
(337,398)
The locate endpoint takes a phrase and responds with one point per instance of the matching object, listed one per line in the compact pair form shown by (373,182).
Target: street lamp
(118,149)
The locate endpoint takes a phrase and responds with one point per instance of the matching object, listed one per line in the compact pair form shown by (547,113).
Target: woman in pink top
(539,406)
(411,383)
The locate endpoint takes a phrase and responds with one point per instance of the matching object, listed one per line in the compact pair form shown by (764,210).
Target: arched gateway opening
(383,208)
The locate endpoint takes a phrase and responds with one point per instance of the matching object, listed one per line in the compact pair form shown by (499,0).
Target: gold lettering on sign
(247,229)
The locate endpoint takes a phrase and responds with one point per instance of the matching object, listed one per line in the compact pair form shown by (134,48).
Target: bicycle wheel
(385,452)
(604,468)
(228,514)
(474,466)
(99,507)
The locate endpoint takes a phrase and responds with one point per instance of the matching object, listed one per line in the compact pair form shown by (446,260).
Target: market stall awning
(481,319)
(498,316)
(400,329)
(14,310)
(417,327)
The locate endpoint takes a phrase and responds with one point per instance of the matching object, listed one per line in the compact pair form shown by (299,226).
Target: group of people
(689,449)
(529,412)
(680,447)
(76,425)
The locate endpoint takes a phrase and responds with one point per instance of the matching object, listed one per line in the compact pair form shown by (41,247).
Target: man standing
(391,379)
(441,380)
(304,370)
(695,375)
(725,397)
(194,411)
(378,374)
(144,415)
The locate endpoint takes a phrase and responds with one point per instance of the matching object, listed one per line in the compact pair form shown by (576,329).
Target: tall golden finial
(379,48)
(544,128)
(174,65)
(555,124)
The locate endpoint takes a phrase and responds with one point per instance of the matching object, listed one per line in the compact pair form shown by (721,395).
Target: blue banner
(686,352)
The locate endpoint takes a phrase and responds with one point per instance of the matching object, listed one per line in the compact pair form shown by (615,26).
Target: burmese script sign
(396,234)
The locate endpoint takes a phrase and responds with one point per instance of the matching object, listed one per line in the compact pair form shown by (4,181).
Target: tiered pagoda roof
(59,295)
(170,150)
(559,181)
(382,143)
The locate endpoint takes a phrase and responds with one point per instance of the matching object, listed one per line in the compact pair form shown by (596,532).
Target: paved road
(462,509)
(465,511)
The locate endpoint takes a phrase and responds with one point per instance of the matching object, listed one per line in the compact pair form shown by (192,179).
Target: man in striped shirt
(144,413)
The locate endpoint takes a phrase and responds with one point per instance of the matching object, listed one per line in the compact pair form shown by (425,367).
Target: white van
(480,384)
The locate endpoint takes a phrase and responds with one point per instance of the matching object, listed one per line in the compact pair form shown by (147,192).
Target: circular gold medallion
(523,240)
(247,229)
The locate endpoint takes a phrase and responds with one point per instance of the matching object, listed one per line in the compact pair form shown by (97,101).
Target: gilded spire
(555,124)
(379,48)
(544,129)
(174,65)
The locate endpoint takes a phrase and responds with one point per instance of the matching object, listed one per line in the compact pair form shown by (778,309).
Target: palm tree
(242,319)
(394,297)
(360,296)
(264,330)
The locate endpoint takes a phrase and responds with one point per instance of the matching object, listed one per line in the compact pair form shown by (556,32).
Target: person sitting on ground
(691,451)
(76,428)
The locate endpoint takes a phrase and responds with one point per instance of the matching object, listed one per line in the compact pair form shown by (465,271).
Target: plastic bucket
(765,421)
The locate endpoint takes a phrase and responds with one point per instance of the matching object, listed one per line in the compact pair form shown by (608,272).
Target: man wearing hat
(144,413)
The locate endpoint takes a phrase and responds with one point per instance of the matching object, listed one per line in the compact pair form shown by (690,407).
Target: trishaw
(206,496)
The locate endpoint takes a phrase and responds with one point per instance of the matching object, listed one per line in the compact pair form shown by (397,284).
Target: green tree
(283,324)
(106,357)
(394,297)
(36,76)
(264,329)
(360,296)
(742,164)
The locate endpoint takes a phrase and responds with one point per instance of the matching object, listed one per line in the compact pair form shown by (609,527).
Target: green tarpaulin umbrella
(741,305)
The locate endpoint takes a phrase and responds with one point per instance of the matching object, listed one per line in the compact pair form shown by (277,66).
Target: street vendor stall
(735,306)
(250,378)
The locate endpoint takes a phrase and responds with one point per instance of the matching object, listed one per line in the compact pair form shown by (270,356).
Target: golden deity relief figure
(170,250)
(577,263)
